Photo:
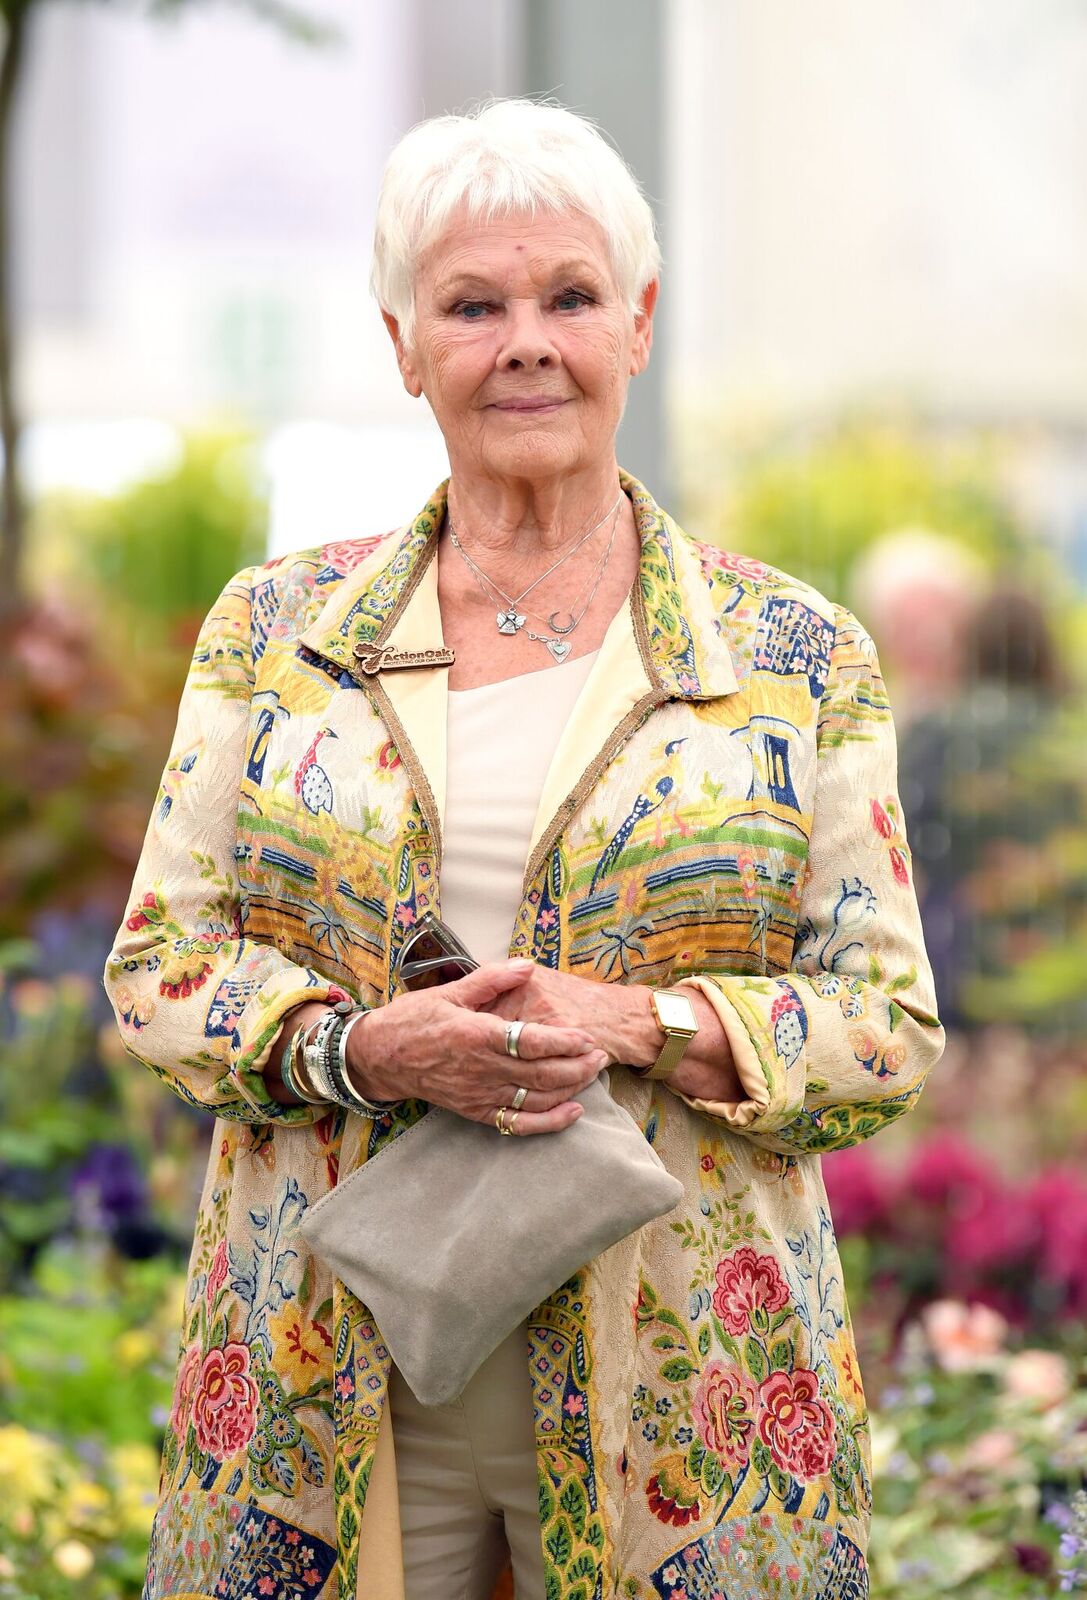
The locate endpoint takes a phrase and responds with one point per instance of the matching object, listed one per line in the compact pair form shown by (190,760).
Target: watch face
(675,1013)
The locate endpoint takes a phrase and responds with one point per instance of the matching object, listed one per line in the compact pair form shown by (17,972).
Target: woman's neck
(505,515)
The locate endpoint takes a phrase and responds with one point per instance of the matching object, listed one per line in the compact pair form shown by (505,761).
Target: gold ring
(513,1122)
(500,1120)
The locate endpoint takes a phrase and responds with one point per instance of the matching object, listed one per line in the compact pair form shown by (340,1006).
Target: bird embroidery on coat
(642,807)
(177,770)
(311,781)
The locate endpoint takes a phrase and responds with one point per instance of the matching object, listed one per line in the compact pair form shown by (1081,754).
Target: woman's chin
(536,452)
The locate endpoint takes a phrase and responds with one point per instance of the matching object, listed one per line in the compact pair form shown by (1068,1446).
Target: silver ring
(513,1033)
(519,1099)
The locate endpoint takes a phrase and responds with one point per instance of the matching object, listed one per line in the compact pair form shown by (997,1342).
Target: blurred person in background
(994,785)
(917,590)
(631,764)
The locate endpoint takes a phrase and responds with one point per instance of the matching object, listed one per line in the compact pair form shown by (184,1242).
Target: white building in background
(856,201)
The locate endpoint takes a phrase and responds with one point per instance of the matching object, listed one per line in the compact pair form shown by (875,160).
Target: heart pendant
(510,621)
(558,648)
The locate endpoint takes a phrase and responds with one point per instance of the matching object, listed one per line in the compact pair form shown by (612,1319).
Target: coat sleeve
(838,1047)
(195,1000)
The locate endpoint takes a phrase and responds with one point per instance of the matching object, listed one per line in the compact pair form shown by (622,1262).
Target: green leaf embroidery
(754,1358)
(781,1356)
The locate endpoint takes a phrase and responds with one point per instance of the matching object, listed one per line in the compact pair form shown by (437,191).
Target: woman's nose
(526,342)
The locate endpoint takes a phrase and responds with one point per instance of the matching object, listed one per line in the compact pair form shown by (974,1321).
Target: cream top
(501,740)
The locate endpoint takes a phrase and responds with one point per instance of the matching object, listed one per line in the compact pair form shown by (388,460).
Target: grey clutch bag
(451,1234)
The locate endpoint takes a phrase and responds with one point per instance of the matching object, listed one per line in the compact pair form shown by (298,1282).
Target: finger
(538,1100)
(530,1123)
(539,1039)
(486,983)
(561,1075)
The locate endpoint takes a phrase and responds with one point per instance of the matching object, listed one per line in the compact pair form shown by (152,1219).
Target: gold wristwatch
(677,1021)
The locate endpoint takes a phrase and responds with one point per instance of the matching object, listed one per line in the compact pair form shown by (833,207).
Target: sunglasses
(432,954)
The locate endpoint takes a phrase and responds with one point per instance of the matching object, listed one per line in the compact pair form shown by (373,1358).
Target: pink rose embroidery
(748,1285)
(183,1388)
(225,1404)
(723,1412)
(217,1271)
(796,1424)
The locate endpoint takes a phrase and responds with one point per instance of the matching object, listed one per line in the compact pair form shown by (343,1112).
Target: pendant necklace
(509,619)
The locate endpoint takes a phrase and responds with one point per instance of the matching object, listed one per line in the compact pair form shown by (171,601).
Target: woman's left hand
(620,1020)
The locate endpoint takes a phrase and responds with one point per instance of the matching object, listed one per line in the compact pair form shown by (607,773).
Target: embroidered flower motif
(672,1495)
(387,758)
(749,1289)
(183,1391)
(796,1424)
(217,1272)
(749,877)
(184,969)
(723,1411)
(880,820)
(139,918)
(225,1404)
(898,866)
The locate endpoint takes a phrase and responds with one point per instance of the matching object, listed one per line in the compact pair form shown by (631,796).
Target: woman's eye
(470,310)
(571,300)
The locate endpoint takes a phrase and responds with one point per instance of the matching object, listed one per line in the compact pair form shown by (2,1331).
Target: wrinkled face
(523,344)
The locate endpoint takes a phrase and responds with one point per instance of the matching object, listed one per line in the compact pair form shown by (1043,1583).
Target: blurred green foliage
(94,670)
(812,501)
(157,554)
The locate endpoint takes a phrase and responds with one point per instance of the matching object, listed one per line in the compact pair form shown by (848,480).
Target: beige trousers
(466,1479)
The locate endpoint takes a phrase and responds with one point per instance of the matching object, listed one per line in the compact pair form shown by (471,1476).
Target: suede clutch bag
(452,1234)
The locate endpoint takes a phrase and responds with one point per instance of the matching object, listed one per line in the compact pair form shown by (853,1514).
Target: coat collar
(681,646)
(664,644)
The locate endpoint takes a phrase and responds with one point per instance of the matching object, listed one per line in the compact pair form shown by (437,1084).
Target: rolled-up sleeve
(830,1052)
(195,1000)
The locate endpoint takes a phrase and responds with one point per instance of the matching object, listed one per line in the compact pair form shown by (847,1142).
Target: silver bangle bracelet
(359,1102)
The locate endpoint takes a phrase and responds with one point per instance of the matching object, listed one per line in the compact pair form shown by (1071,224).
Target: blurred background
(871,370)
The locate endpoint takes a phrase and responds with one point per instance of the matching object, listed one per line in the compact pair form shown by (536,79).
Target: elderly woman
(654,786)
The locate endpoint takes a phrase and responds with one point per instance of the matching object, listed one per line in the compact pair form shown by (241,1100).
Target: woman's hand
(446,1046)
(619,1018)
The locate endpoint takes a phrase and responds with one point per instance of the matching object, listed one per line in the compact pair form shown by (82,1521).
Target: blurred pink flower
(861,1193)
(1057,1205)
(963,1338)
(994,1451)
(1041,1376)
(946,1170)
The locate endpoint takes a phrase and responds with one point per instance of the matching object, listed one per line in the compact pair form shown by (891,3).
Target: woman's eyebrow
(462,283)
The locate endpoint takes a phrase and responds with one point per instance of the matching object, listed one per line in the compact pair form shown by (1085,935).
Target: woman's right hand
(438,1045)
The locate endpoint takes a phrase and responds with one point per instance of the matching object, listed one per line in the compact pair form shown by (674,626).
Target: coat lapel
(390,600)
(664,644)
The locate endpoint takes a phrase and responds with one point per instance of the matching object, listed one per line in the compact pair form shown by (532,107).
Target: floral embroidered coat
(721,805)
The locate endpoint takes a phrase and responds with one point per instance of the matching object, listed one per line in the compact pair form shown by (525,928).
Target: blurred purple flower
(107,1187)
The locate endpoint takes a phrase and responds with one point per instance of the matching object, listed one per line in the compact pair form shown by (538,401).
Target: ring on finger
(513,1034)
(513,1122)
(519,1099)
(500,1120)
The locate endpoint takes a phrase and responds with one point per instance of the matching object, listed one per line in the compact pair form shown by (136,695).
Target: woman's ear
(643,328)
(403,356)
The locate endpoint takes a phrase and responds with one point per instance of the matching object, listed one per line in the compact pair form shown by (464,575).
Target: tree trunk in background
(12,508)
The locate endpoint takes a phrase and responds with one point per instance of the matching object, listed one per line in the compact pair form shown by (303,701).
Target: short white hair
(506,158)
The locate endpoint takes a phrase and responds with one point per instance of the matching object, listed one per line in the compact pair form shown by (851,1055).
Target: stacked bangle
(290,1073)
(313,1064)
(339,1076)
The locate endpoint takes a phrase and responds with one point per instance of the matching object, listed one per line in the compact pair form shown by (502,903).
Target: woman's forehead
(548,243)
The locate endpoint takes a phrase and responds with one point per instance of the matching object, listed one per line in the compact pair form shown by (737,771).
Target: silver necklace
(558,648)
(509,619)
